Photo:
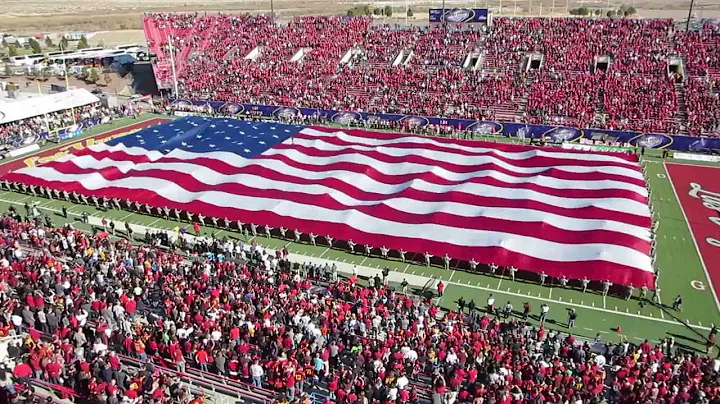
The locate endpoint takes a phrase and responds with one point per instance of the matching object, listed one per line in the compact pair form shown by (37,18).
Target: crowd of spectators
(559,100)
(246,313)
(15,134)
(430,70)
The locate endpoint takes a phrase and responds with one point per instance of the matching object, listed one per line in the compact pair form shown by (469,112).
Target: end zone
(697,189)
(56,152)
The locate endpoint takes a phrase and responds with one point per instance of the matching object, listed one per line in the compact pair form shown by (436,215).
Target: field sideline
(682,270)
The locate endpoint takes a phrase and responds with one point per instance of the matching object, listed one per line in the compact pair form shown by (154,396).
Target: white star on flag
(247,150)
(261,142)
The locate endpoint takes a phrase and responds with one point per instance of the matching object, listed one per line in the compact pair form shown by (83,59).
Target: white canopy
(45,104)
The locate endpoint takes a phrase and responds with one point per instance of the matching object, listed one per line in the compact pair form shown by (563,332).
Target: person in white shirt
(257,373)
(99,347)
(451,357)
(490,303)
(402,381)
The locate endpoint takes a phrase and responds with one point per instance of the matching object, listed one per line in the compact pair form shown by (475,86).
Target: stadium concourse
(623,74)
(638,318)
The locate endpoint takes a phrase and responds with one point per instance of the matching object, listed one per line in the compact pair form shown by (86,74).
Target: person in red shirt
(202,358)
(22,372)
(440,288)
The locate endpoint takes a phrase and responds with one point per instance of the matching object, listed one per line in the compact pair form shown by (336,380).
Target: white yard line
(126,216)
(323,253)
(603,310)
(153,222)
(697,248)
(662,312)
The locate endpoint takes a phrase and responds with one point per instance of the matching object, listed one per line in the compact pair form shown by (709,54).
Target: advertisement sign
(458,15)
(697,157)
(597,148)
(557,134)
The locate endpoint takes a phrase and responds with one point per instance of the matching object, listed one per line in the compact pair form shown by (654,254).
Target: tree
(35,46)
(83,43)
(4,43)
(598,12)
(388,11)
(8,70)
(410,12)
(48,42)
(377,11)
(12,51)
(64,42)
(630,11)
(611,14)
(94,76)
(580,11)
(358,11)
(84,73)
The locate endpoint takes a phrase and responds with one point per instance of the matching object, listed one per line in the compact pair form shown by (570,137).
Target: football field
(684,202)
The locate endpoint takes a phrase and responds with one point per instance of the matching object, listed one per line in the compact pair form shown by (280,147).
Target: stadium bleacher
(105,319)
(424,70)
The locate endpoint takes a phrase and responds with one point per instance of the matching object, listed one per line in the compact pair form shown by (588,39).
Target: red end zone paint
(698,190)
(56,152)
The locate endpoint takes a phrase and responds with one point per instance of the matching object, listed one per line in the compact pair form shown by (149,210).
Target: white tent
(45,104)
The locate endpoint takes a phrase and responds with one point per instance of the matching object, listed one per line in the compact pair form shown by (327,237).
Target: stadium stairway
(681,113)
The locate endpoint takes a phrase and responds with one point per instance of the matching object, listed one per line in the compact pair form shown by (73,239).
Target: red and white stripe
(562,212)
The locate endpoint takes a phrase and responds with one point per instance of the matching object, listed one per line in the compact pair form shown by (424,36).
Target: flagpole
(47,124)
(172,66)
(67,80)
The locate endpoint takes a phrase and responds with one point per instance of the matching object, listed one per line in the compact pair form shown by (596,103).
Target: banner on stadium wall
(557,134)
(458,15)
(71,132)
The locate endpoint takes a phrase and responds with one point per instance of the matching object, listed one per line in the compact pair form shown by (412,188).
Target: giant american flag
(560,212)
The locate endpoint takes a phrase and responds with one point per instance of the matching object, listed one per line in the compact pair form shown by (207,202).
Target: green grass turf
(677,259)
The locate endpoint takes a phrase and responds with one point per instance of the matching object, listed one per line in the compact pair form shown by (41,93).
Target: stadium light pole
(407,7)
(172,66)
(272,10)
(687,24)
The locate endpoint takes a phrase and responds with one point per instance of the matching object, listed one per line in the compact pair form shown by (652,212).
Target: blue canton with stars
(202,135)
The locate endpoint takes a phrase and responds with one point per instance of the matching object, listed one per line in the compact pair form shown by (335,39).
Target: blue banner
(508,129)
(73,131)
(458,15)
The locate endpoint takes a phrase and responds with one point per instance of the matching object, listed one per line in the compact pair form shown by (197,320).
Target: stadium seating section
(110,320)
(352,64)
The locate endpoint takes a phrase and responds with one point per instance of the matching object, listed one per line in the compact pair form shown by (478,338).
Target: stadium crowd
(348,64)
(14,134)
(248,314)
